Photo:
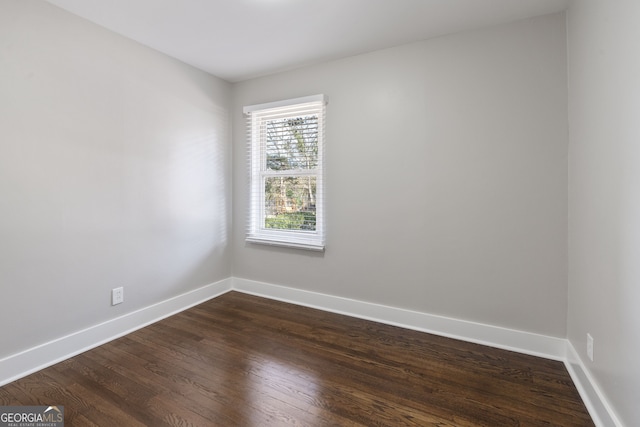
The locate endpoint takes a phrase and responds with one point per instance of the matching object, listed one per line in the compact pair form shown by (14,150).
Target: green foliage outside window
(292,221)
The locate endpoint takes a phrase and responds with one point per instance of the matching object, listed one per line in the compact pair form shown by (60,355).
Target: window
(286,150)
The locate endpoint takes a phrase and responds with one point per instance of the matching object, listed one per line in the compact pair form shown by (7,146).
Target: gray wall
(446,177)
(604,195)
(114,171)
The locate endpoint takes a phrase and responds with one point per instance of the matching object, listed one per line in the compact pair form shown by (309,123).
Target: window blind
(286,164)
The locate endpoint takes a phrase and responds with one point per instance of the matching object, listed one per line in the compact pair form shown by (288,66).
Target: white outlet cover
(117,296)
(590,347)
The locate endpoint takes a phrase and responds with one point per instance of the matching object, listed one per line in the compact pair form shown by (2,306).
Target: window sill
(293,245)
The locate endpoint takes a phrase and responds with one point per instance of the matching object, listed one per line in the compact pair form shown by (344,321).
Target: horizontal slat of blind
(291,172)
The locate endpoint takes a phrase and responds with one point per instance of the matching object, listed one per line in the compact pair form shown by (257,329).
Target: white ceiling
(241,39)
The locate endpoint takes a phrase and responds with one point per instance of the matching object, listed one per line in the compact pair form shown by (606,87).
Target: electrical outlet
(590,347)
(117,296)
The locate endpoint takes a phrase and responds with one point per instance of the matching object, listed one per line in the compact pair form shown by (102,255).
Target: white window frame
(256,230)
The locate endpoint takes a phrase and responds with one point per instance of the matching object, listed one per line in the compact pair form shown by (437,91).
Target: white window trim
(256,232)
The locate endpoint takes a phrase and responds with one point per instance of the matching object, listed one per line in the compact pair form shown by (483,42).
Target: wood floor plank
(241,360)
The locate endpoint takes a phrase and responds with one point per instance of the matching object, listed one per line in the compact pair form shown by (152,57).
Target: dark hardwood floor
(240,360)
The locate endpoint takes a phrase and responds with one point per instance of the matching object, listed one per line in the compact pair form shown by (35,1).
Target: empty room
(310,213)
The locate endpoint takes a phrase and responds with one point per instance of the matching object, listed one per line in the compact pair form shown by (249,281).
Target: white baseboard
(34,359)
(494,336)
(599,408)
